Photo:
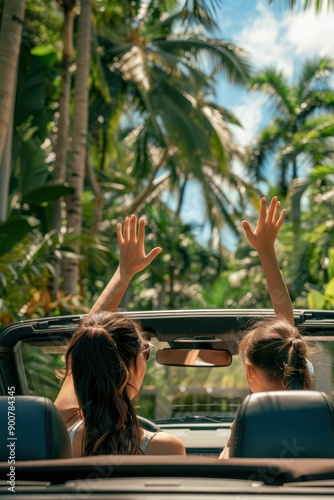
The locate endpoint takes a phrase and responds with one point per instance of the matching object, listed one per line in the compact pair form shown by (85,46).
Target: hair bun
(296,343)
(96,330)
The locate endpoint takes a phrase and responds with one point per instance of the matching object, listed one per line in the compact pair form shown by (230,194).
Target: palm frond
(316,71)
(314,102)
(259,153)
(201,13)
(223,55)
(317,4)
(187,19)
(166,63)
(273,82)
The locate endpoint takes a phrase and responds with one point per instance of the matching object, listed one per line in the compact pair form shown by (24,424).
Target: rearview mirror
(194,357)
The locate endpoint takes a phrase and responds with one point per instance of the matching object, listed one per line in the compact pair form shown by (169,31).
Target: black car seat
(31,428)
(284,424)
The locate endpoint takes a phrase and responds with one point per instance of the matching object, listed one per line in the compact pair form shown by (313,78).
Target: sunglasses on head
(146,350)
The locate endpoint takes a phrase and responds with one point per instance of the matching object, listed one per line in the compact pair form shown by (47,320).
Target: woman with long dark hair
(105,364)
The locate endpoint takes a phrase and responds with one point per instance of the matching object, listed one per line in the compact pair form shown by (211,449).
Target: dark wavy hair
(99,355)
(278,348)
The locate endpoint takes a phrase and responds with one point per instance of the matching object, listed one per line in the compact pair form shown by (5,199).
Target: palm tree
(61,147)
(318,5)
(294,105)
(79,144)
(10,43)
(308,262)
(154,73)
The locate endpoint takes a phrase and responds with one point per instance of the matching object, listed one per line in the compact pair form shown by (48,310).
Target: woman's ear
(139,367)
(250,373)
(137,370)
(137,361)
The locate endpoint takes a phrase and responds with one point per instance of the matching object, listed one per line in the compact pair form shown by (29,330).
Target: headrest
(31,428)
(284,424)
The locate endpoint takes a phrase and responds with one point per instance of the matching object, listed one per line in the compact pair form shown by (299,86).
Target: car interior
(282,443)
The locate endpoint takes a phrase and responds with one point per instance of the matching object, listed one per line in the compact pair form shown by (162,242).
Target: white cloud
(309,34)
(280,39)
(250,114)
(263,38)
(283,39)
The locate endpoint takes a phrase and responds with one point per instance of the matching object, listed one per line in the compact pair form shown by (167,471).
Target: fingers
(281,219)
(247,229)
(152,255)
(276,218)
(271,209)
(276,212)
(133,227)
(126,232)
(141,231)
(120,238)
(129,232)
(263,211)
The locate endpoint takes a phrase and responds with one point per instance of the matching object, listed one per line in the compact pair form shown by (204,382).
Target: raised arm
(132,260)
(263,240)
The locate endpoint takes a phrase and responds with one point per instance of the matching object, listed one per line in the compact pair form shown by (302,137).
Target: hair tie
(309,367)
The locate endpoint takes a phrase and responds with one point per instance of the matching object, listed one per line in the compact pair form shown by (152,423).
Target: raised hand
(132,260)
(267,227)
(131,241)
(263,239)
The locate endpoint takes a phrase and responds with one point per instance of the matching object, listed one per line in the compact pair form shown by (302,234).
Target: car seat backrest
(284,424)
(31,428)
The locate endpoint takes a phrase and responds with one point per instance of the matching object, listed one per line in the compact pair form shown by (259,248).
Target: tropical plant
(308,257)
(294,105)
(176,279)
(61,147)
(316,4)
(79,145)
(322,296)
(144,67)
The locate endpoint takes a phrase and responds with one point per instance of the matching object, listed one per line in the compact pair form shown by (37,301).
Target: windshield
(176,393)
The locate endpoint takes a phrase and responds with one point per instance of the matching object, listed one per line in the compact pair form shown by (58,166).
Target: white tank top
(148,438)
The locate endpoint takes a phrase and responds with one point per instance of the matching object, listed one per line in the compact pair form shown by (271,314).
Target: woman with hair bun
(105,364)
(273,350)
(275,357)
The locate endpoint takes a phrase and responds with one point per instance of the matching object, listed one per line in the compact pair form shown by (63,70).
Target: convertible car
(282,447)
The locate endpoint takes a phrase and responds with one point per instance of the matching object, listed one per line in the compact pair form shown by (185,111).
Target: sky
(273,35)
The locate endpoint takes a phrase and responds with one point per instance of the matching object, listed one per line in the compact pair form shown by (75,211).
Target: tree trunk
(10,43)
(296,212)
(181,196)
(64,113)
(79,146)
(98,196)
(61,148)
(5,171)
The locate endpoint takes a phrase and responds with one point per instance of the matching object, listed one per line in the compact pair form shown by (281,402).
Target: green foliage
(296,128)
(323,297)
(13,231)
(152,129)
(43,23)
(40,371)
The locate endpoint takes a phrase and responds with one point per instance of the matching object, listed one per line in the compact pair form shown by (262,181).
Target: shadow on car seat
(31,428)
(284,424)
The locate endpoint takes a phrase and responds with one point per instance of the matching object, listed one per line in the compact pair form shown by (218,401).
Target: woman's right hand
(131,241)
(269,222)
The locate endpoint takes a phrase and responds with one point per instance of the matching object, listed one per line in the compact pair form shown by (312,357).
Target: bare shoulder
(164,443)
